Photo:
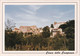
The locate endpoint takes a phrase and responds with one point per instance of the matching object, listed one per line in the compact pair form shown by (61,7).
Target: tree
(69,31)
(63,26)
(9,24)
(59,42)
(10,37)
(46,32)
(52,26)
(13,38)
(70,44)
(68,28)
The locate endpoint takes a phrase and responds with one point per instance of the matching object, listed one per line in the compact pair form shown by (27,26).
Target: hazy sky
(39,15)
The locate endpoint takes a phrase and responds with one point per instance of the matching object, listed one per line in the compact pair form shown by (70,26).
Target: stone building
(56,28)
(34,30)
(57,24)
(28,29)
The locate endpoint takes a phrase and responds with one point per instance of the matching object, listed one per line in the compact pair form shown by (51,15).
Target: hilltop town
(34,30)
(60,36)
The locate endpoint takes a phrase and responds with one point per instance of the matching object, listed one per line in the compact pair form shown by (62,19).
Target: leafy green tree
(52,26)
(58,41)
(19,38)
(69,28)
(70,44)
(63,26)
(46,32)
(10,39)
(13,38)
(69,31)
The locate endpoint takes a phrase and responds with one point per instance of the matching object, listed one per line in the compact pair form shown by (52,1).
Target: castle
(34,30)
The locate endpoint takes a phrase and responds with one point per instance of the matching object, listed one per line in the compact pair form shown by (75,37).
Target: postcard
(38,28)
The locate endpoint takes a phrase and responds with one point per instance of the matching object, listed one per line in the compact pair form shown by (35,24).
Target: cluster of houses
(34,30)
(28,29)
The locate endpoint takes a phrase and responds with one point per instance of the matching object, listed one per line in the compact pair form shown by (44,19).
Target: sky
(39,15)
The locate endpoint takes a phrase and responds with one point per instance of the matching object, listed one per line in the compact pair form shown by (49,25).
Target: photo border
(76,40)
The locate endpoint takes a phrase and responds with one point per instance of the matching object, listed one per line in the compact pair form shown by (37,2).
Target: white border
(40,52)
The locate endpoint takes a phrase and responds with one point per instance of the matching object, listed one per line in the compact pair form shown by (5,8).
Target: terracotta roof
(16,28)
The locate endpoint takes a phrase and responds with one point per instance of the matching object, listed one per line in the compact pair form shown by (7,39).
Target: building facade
(56,29)
(34,30)
(28,29)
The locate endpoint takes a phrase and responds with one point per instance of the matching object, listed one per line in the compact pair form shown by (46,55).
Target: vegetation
(16,41)
(9,25)
(46,32)
(69,29)
(52,26)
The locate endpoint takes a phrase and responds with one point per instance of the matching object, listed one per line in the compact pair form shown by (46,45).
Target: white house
(56,28)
